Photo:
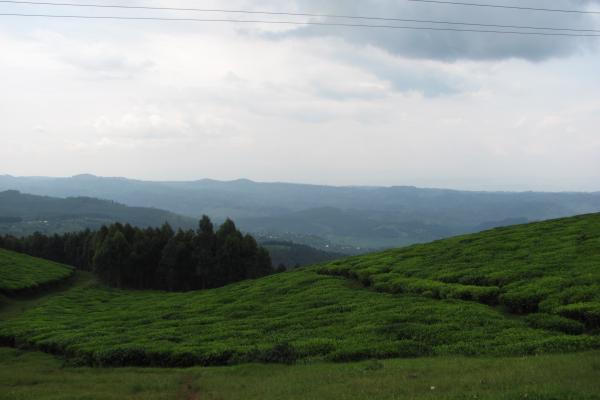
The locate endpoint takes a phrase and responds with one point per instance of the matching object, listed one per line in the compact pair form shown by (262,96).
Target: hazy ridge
(366,217)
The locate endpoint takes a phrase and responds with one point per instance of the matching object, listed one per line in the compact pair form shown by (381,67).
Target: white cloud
(184,101)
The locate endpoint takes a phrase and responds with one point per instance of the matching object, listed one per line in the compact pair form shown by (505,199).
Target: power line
(346,25)
(356,17)
(459,3)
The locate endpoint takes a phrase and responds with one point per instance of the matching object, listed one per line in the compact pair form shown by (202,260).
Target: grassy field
(20,273)
(30,375)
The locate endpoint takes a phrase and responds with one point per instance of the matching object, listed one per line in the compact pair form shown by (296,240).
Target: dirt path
(12,306)
(188,390)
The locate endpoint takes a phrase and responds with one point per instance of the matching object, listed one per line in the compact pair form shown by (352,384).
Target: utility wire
(355,17)
(347,25)
(460,3)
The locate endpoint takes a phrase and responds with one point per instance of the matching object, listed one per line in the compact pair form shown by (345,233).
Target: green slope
(19,272)
(308,314)
(550,269)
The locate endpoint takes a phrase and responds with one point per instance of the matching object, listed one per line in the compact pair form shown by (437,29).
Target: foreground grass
(19,272)
(31,375)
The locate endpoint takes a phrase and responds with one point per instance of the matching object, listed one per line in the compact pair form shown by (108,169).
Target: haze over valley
(349,219)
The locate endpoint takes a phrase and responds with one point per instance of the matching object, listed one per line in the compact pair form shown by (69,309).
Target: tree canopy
(155,258)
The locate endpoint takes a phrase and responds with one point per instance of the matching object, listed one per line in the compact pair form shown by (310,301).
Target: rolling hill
(373,217)
(23,214)
(526,289)
(549,271)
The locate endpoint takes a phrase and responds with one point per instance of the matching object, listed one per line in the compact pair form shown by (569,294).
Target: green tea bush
(555,323)
(521,302)
(282,353)
(588,313)
(118,357)
(395,283)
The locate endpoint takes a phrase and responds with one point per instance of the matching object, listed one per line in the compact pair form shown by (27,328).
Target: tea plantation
(549,270)
(20,273)
(522,290)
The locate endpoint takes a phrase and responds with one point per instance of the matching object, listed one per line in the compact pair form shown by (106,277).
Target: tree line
(125,256)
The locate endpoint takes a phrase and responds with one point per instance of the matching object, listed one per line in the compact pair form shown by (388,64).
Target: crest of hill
(526,289)
(22,213)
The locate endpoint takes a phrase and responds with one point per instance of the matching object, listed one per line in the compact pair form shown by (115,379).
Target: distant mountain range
(24,214)
(359,217)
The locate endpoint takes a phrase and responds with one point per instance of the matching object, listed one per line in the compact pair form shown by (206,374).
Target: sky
(166,100)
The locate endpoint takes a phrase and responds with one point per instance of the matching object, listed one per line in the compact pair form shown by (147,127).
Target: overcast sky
(342,106)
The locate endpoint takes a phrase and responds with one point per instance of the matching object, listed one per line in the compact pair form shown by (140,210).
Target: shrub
(119,357)
(521,302)
(482,294)
(315,347)
(283,353)
(555,323)
(588,313)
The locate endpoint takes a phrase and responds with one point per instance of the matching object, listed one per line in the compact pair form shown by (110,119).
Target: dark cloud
(451,46)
